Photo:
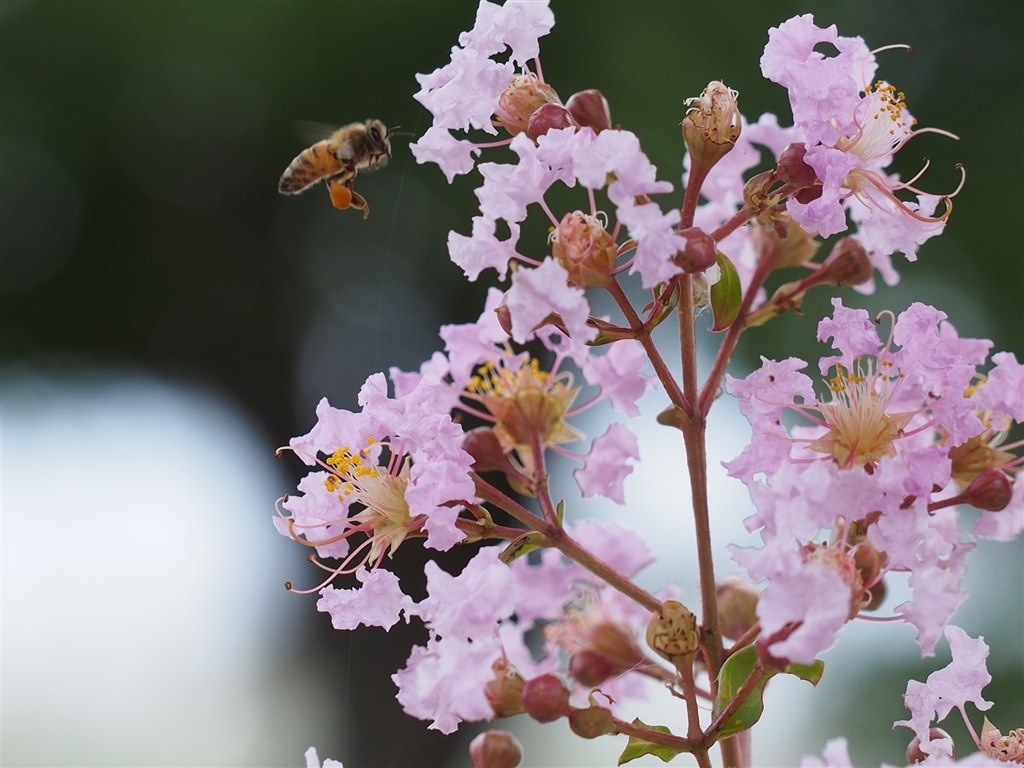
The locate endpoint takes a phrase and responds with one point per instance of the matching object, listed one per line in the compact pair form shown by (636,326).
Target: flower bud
(523,96)
(546,698)
(505,691)
(495,749)
(590,109)
(592,722)
(737,607)
(485,448)
(699,253)
(590,668)
(914,752)
(847,264)
(504,316)
(672,633)
(793,170)
(584,248)
(712,124)
(990,491)
(549,117)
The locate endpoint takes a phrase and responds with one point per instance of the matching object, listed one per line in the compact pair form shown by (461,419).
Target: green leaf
(560,511)
(637,747)
(726,294)
(520,546)
(735,672)
(812,673)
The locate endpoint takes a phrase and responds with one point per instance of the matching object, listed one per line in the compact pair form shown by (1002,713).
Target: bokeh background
(167,320)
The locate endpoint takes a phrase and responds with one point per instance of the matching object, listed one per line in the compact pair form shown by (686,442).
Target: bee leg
(343,197)
(341,194)
(360,204)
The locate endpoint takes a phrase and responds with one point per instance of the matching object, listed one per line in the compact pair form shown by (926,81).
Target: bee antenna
(400,133)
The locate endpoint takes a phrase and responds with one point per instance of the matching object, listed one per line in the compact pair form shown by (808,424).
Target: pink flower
(606,467)
(378,603)
(483,249)
(834,756)
(537,293)
(953,686)
(444,681)
(619,374)
(313,760)
(474,602)
(852,130)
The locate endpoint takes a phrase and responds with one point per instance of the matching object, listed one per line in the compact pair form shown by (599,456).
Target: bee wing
(311,131)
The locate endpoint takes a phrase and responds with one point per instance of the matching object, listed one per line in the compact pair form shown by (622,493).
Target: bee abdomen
(311,165)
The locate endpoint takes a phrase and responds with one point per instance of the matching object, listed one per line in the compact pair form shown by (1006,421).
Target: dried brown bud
(712,124)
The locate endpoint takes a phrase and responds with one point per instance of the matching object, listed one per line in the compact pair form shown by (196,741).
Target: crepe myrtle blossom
(610,160)
(882,466)
(852,128)
(953,687)
(477,620)
(393,470)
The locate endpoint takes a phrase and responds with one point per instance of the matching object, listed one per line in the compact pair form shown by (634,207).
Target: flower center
(860,431)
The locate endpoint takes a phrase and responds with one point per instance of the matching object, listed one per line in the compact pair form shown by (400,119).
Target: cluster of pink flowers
(911,429)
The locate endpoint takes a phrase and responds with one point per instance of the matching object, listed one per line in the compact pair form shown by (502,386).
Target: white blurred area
(144,618)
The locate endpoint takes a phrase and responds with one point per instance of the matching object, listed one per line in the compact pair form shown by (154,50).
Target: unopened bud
(487,452)
(590,109)
(504,316)
(793,170)
(583,246)
(737,607)
(592,722)
(699,253)
(549,117)
(847,264)
(672,633)
(495,749)
(546,698)
(990,491)
(917,755)
(523,96)
(590,668)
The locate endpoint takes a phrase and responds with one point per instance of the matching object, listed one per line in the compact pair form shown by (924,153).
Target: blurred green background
(144,242)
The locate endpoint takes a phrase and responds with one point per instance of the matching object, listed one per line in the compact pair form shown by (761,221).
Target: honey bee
(338,159)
